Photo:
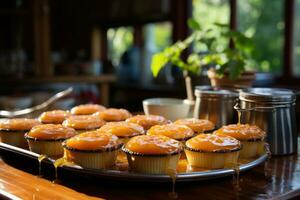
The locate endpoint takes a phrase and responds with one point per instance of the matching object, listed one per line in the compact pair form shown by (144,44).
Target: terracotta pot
(245,80)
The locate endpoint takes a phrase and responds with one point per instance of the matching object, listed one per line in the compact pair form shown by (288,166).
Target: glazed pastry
(87,109)
(54,116)
(147,121)
(153,154)
(124,130)
(174,131)
(93,149)
(12,131)
(113,114)
(47,139)
(82,123)
(211,151)
(198,125)
(251,137)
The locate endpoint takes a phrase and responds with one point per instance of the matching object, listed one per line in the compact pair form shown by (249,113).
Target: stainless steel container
(215,105)
(273,110)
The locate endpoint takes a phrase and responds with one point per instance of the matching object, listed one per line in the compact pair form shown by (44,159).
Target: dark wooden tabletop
(279,178)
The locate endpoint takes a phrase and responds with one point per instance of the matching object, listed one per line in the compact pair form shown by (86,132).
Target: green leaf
(221,25)
(159,60)
(193,24)
(236,68)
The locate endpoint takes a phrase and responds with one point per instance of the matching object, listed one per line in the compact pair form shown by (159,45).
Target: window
(119,40)
(263,19)
(158,35)
(211,11)
(296,69)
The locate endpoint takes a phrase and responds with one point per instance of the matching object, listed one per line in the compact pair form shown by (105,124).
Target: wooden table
(103,82)
(279,179)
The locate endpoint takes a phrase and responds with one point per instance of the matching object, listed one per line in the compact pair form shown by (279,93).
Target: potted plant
(227,55)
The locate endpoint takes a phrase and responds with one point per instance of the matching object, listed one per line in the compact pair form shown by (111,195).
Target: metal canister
(215,105)
(273,110)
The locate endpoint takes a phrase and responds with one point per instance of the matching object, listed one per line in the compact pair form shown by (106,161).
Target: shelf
(14,12)
(104,78)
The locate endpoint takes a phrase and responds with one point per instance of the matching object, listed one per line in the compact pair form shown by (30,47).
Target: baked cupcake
(211,151)
(113,114)
(54,116)
(153,154)
(124,130)
(174,131)
(251,137)
(82,123)
(147,121)
(93,149)
(47,139)
(12,131)
(87,109)
(197,125)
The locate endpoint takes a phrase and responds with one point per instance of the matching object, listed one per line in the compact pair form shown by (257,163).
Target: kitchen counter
(279,179)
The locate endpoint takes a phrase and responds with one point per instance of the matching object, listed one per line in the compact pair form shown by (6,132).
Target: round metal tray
(131,176)
(181,177)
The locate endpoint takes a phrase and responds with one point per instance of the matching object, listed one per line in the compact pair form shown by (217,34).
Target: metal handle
(260,108)
(9,114)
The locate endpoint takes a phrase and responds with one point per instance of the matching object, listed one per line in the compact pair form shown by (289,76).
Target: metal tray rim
(136,177)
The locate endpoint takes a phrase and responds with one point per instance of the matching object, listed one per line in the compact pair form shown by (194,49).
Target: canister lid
(211,92)
(272,95)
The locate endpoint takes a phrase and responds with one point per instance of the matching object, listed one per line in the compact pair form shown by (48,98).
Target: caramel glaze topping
(83,122)
(87,109)
(153,145)
(51,132)
(174,131)
(147,121)
(242,132)
(92,140)
(198,125)
(113,114)
(18,124)
(54,116)
(122,129)
(213,143)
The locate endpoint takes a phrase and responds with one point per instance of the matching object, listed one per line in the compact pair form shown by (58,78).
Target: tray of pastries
(111,143)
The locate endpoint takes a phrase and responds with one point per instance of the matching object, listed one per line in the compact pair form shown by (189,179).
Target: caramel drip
(267,170)
(173,175)
(58,163)
(40,159)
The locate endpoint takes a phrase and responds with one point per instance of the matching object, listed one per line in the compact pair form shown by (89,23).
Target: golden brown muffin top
(147,121)
(122,129)
(50,132)
(93,140)
(153,145)
(18,124)
(198,125)
(87,109)
(83,122)
(113,114)
(242,132)
(213,143)
(54,116)
(174,131)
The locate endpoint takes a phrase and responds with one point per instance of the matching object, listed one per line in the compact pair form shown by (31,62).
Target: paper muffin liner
(153,164)
(15,138)
(49,148)
(213,160)
(252,149)
(94,160)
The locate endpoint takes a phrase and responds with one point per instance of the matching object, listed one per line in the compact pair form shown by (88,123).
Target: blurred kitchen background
(103,48)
